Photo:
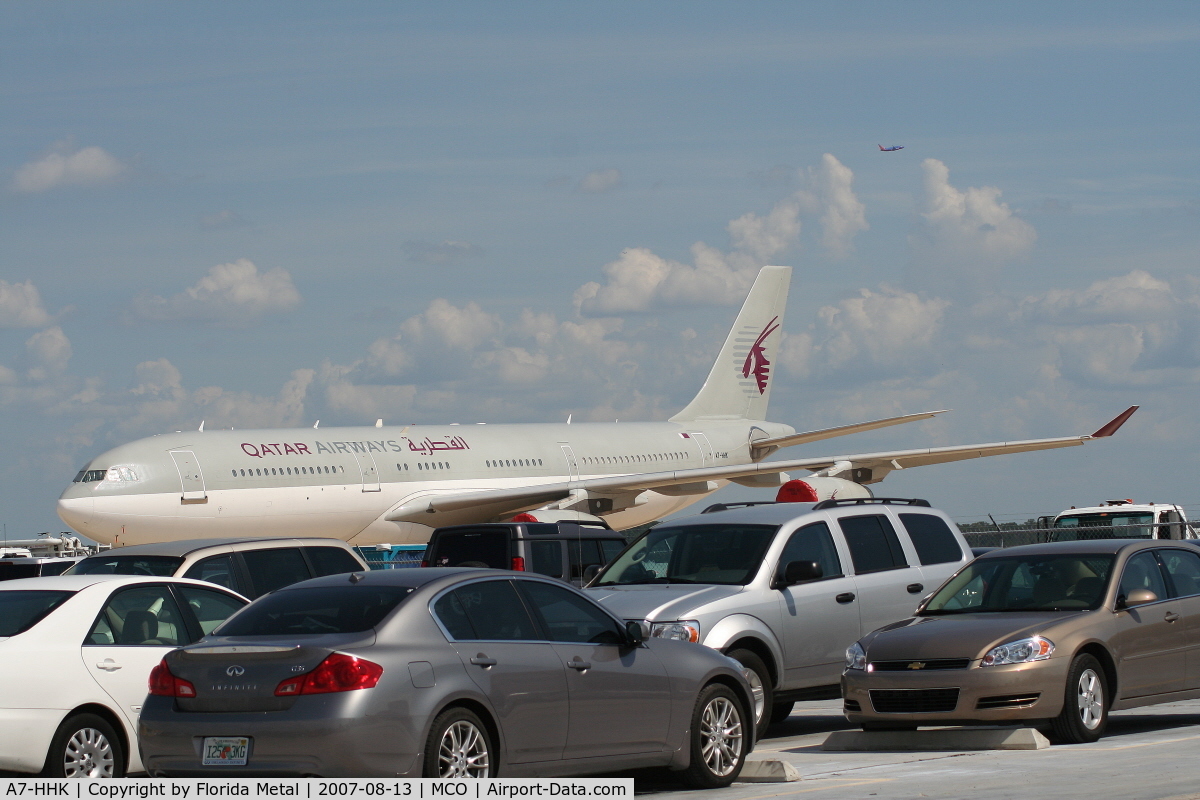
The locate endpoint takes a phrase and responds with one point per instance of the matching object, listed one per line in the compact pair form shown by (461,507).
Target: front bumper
(1007,693)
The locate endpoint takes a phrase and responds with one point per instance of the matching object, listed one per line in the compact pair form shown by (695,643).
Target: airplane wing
(763,447)
(503,501)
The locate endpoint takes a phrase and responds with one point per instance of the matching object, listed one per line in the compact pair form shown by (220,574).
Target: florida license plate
(225,751)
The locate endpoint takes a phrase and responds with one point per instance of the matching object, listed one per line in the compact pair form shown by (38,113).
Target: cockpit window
(119,473)
(90,475)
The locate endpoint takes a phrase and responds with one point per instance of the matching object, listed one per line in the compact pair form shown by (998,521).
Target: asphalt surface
(1150,753)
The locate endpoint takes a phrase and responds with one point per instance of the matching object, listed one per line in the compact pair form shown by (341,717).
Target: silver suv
(784,588)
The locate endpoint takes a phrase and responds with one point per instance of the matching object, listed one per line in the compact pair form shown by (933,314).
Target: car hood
(660,601)
(960,635)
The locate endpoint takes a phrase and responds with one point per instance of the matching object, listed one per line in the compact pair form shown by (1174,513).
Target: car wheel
(1085,707)
(760,686)
(458,747)
(718,739)
(85,746)
(780,712)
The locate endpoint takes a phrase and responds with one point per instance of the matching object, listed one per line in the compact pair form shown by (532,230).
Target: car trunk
(471,548)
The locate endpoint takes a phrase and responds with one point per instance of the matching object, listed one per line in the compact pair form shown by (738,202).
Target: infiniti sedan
(1062,632)
(442,672)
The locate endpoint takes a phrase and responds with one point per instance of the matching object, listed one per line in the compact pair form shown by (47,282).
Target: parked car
(784,588)
(75,654)
(1065,631)
(251,567)
(33,567)
(441,673)
(565,549)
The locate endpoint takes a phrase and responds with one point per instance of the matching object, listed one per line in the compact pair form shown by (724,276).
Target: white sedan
(75,655)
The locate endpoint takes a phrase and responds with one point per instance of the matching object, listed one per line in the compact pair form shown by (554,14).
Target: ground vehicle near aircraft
(783,588)
(565,550)
(75,653)
(1062,631)
(393,484)
(441,672)
(251,567)
(1122,519)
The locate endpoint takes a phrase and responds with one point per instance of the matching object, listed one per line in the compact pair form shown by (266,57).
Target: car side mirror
(798,572)
(633,634)
(1138,597)
(590,572)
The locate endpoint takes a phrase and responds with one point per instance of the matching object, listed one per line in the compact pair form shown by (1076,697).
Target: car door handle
(108,665)
(579,665)
(483,661)
(913,588)
(1171,616)
(845,597)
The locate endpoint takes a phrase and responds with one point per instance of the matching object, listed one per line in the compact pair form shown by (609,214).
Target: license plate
(225,751)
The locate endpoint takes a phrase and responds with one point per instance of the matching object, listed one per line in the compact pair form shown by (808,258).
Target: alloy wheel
(88,754)
(721,736)
(463,752)
(1091,699)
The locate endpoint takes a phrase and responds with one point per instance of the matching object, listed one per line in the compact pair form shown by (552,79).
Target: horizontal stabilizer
(766,446)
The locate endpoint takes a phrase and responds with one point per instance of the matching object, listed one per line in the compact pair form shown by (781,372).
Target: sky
(264,214)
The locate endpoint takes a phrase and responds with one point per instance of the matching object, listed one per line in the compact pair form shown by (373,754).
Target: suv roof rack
(726,506)
(872,501)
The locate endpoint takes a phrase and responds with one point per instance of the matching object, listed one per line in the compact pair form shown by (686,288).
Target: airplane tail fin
(739,384)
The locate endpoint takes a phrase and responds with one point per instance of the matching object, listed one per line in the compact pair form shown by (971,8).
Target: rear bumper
(282,744)
(25,735)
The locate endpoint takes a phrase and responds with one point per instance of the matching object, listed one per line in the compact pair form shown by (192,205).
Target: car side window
(492,610)
(610,548)
(569,617)
(331,561)
(273,569)
(218,569)
(142,615)
(1184,568)
(931,536)
(1142,572)
(209,607)
(546,558)
(583,553)
(874,546)
(813,543)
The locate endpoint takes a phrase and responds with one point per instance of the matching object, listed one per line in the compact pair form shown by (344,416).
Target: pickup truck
(1121,519)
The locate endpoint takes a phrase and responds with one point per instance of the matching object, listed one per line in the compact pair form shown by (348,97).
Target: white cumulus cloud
(235,292)
(21,306)
(601,180)
(63,166)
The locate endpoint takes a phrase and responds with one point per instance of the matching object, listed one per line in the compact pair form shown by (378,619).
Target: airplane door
(706,451)
(572,464)
(370,473)
(190,476)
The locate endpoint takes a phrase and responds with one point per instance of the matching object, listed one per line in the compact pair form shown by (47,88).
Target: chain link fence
(1010,535)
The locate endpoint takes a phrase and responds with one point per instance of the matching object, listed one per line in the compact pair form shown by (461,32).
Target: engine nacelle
(813,489)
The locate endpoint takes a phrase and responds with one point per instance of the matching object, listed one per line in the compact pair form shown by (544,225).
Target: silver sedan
(442,673)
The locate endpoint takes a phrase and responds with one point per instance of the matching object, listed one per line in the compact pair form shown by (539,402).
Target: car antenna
(355,577)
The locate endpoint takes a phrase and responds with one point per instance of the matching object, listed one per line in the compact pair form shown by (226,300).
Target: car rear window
(316,610)
(331,561)
(159,566)
(470,549)
(21,610)
(932,537)
(275,568)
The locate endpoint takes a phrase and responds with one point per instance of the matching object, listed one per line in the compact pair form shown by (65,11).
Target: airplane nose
(76,511)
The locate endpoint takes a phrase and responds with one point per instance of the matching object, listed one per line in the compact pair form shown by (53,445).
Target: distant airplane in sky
(892,148)
(376,484)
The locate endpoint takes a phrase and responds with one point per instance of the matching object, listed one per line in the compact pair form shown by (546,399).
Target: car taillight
(518,564)
(424,563)
(165,684)
(337,673)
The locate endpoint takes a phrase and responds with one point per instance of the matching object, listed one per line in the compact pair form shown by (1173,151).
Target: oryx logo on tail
(756,360)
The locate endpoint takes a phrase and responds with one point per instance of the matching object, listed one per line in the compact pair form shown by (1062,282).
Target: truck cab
(1122,519)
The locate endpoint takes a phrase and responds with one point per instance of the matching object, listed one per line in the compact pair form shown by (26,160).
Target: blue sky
(264,214)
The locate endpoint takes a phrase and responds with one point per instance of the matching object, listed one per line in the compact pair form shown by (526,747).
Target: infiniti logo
(235,671)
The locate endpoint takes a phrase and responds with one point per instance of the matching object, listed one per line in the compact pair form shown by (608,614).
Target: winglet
(1115,424)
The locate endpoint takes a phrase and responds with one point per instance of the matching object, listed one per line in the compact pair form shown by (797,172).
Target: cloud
(21,306)
(843,215)
(602,180)
(50,349)
(447,253)
(223,220)
(63,166)
(235,293)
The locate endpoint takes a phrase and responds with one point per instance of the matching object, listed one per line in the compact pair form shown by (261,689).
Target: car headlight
(686,630)
(1022,651)
(856,657)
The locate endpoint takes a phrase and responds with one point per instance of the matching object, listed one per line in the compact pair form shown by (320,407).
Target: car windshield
(727,554)
(1024,583)
(21,610)
(1103,525)
(316,610)
(159,566)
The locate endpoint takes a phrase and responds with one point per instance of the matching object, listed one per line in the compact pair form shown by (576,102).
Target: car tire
(1085,708)
(459,747)
(717,736)
(781,711)
(760,685)
(85,746)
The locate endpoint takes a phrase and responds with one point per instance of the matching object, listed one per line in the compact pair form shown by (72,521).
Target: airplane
(393,484)
(891,149)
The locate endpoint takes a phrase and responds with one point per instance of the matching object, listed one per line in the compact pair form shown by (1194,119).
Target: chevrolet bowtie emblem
(917,665)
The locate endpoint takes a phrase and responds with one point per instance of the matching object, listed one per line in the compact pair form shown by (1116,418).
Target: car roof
(74,583)
(412,577)
(184,547)
(1084,546)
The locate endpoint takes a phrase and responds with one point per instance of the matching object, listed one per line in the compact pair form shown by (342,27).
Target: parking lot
(1147,754)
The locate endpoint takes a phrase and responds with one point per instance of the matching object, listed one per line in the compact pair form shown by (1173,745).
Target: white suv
(784,588)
